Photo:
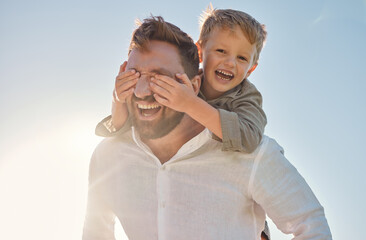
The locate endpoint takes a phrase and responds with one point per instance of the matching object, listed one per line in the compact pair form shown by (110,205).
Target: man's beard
(158,128)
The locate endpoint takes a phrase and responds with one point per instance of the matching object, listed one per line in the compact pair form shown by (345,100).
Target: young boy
(228,105)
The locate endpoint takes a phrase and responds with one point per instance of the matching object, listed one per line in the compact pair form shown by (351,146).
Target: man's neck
(166,147)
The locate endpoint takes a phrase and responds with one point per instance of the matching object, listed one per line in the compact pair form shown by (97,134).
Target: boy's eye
(242,58)
(220,50)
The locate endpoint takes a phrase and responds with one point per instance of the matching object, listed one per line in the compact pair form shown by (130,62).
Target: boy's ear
(196,83)
(199,51)
(251,70)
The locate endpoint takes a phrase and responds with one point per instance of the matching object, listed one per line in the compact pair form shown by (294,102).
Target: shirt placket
(162,188)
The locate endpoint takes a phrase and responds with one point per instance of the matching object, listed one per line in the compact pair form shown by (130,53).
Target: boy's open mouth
(226,76)
(147,110)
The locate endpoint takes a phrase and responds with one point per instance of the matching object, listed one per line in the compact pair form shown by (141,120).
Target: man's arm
(285,196)
(99,220)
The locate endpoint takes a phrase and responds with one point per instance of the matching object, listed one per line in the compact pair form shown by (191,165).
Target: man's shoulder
(119,141)
(268,148)
(270,144)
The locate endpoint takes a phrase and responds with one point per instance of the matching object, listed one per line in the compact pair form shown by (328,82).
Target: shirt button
(163,167)
(162,204)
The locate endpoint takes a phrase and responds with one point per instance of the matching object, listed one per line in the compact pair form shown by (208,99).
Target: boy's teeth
(224,75)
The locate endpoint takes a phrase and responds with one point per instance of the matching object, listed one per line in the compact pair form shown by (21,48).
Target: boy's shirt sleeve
(105,127)
(243,120)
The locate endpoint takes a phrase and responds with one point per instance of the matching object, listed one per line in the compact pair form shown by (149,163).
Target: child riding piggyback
(228,105)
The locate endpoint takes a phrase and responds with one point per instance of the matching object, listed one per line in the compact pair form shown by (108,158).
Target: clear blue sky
(58,60)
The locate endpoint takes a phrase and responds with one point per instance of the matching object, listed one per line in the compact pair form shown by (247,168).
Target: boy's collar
(230,93)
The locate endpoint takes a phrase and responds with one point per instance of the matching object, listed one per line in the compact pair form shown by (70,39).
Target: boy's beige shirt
(242,117)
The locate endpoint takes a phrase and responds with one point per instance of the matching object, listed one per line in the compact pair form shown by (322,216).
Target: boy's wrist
(119,115)
(191,105)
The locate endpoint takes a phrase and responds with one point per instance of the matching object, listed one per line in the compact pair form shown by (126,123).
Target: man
(167,178)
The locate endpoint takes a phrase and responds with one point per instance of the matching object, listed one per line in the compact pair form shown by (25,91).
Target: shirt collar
(192,145)
(232,93)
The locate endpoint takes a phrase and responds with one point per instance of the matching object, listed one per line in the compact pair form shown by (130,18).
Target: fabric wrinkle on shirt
(200,193)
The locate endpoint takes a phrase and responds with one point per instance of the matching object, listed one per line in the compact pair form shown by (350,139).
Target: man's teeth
(150,106)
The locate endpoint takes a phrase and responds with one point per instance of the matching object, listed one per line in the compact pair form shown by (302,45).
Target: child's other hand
(124,85)
(171,93)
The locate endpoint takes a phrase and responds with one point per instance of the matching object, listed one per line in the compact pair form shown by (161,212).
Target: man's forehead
(157,56)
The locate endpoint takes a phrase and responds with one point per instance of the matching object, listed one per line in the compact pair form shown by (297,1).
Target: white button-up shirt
(200,193)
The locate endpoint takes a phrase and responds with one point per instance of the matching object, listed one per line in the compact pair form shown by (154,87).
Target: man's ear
(196,83)
(251,70)
(199,51)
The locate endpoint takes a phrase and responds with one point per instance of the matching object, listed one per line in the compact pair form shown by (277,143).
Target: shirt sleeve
(243,125)
(99,220)
(105,127)
(285,196)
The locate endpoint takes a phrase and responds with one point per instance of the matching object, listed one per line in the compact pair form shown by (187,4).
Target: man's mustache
(146,99)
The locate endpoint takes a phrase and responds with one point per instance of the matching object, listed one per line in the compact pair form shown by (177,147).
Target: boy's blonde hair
(229,18)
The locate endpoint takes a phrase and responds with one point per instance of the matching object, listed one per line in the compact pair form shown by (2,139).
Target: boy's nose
(230,61)
(142,88)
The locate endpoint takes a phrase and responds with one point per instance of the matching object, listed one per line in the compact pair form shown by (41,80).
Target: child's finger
(120,86)
(168,80)
(122,68)
(132,79)
(125,76)
(163,84)
(161,100)
(184,78)
(159,90)
(121,97)
(125,87)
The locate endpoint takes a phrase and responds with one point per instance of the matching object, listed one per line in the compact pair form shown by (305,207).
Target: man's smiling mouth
(226,76)
(148,110)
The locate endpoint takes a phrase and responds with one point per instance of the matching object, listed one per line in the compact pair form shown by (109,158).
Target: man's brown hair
(229,18)
(155,28)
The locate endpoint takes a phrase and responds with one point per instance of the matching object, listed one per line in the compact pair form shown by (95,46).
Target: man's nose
(142,88)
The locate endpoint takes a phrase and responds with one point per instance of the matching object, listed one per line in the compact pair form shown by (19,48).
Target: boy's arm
(115,124)
(240,127)
(119,121)
(182,97)
(105,127)
(244,120)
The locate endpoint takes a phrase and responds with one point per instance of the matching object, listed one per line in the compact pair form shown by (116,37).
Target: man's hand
(171,93)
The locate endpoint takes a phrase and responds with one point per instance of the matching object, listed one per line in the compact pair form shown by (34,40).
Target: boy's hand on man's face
(170,93)
(124,84)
